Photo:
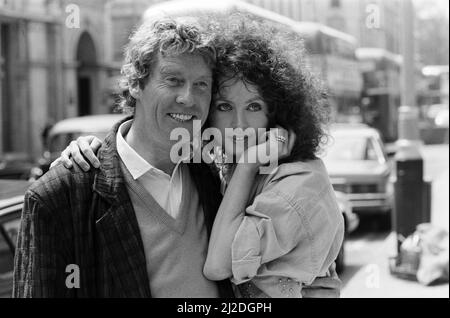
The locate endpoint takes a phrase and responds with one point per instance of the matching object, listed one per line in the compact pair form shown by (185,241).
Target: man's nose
(186,96)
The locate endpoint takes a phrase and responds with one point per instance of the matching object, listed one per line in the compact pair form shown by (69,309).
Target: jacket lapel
(117,224)
(124,252)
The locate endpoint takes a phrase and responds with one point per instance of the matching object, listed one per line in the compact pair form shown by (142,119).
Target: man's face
(178,91)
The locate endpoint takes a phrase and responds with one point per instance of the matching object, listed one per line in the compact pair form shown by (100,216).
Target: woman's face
(238,105)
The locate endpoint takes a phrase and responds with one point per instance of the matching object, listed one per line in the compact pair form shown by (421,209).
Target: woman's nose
(239,120)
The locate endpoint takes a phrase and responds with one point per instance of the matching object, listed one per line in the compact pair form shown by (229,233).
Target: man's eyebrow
(168,70)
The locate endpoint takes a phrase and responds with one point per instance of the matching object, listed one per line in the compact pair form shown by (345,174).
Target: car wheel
(340,264)
(340,260)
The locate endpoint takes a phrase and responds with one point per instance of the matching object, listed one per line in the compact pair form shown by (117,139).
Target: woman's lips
(239,138)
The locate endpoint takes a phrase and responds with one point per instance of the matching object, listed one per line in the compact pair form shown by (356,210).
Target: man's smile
(182,118)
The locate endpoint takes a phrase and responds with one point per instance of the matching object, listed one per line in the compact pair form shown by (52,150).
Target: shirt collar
(136,165)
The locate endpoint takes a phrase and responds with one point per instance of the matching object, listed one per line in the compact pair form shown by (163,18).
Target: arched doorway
(86,73)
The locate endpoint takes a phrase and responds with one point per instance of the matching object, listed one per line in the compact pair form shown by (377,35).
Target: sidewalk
(374,280)
(439,203)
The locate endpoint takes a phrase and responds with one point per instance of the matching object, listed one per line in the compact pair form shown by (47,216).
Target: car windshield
(343,148)
(59,142)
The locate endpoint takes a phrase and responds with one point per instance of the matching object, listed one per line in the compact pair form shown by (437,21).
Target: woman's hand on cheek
(276,145)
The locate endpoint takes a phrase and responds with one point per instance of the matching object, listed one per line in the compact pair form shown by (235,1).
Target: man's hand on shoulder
(82,151)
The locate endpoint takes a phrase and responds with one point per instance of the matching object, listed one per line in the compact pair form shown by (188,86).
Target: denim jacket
(291,233)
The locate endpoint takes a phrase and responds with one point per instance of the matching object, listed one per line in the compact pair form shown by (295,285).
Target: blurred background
(385,64)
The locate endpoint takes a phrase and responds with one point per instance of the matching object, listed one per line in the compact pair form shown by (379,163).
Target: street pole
(408,96)
(409,187)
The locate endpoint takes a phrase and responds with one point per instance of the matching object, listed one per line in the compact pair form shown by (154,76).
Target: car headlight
(390,188)
(343,204)
(36,173)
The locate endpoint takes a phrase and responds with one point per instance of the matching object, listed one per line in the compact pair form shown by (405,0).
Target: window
(371,153)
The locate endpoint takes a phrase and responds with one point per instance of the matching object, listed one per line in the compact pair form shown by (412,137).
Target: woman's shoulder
(299,171)
(299,182)
(314,166)
(302,188)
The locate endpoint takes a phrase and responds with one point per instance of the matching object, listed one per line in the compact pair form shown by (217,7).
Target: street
(368,249)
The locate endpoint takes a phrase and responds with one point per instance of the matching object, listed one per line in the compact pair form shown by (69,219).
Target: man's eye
(223,107)
(203,85)
(173,80)
(254,107)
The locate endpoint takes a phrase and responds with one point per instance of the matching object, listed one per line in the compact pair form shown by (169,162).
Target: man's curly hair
(165,36)
(273,60)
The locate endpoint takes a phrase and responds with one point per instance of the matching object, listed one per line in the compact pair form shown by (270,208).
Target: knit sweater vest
(175,249)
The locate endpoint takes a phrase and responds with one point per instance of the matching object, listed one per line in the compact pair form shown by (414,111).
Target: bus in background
(434,89)
(381,90)
(332,57)
(433,93)
(331,53)
(433,101)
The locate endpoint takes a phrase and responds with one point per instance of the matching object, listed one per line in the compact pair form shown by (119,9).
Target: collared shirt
(165,189)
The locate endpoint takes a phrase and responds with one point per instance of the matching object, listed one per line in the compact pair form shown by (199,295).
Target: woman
(274,232)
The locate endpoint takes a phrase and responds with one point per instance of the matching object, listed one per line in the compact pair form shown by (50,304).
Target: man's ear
(135,92)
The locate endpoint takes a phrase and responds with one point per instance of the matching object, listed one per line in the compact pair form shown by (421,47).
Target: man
(139,225)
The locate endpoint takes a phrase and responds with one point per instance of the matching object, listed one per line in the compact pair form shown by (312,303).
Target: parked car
(441,119)
(64,131)
(15,166)
(358,166)
(434,110)
(11,202)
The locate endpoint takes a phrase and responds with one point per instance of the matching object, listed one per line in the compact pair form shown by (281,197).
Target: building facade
(57,57)
(375,23)
(54,63)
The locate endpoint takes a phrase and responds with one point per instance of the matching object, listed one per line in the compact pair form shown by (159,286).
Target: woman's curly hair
(165,36)
(273,60)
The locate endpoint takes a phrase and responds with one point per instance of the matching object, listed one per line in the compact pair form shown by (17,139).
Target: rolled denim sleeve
(270,229)
(245,252)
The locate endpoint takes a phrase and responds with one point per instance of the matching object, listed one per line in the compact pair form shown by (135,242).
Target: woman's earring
(218,159)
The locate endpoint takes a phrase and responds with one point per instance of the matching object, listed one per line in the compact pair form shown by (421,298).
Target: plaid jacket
(87,219)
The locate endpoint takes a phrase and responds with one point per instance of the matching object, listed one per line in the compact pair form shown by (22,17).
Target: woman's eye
(223,107)
(254,107)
